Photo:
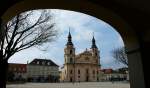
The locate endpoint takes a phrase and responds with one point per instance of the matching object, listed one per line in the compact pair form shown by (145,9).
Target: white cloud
(83,35)
(107,60)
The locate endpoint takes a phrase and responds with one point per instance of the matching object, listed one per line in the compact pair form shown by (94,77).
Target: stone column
(136,75)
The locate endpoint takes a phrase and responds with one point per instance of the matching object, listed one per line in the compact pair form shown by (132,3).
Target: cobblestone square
(71,85)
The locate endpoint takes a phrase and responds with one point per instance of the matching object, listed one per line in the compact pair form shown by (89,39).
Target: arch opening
(82,28)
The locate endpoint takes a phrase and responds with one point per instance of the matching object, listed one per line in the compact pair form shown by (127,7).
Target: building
(82,67)
(42,70)
(114,75)
(17,72)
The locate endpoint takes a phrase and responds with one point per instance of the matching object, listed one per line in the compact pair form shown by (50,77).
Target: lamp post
(74,70)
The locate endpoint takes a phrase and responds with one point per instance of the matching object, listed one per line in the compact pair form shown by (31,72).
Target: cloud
(83,35)
(107,60)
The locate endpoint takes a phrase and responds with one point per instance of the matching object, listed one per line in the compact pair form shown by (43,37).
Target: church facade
(83,67)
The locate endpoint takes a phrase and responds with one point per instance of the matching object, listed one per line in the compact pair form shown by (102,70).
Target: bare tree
(25,30)
(120,55)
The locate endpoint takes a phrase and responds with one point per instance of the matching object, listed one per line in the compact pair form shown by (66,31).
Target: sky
(82,28)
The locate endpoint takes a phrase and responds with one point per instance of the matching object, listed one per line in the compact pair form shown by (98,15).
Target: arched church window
(71,60)
(70,51)
(70,71)
(87,71)
(96,54)
(93,71)
(78,71)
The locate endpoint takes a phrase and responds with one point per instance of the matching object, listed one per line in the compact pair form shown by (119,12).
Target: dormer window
(37,62)
(43,63)
(48,63)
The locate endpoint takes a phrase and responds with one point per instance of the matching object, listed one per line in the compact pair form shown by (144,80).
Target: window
(87,71)
(43,63)
(70,51)
(48,63)
(95,54)
(93,77)
(71,60)
(10,69)
(70,71)
(23,69)
(97,72)
(19,69)
(15,69)
(70,79)
(37,62)
(93,71)
(78,71)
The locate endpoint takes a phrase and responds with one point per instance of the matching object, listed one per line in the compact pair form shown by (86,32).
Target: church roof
(93,43)
(86,52)
(69,42)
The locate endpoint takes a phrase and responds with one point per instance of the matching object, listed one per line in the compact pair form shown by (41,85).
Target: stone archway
(85,6)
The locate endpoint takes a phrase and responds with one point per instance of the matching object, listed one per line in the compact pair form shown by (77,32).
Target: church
(83,67)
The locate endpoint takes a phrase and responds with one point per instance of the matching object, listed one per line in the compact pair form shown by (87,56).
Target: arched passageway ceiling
(83,6)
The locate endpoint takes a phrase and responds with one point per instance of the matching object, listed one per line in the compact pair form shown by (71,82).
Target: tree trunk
(3,73)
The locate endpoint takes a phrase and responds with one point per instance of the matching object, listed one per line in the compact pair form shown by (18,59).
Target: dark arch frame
(93,9)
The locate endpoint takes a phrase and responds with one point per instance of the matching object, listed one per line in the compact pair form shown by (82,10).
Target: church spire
(69,39)
(93,42)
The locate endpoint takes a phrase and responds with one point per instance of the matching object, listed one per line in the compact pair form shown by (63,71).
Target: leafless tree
(120,55)
(32,28)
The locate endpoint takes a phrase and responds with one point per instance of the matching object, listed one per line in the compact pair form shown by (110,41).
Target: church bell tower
(69,50)
(95,51)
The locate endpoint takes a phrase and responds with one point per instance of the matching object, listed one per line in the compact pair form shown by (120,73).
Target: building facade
(113,75)
(42,70)
(82,67)
(17,72)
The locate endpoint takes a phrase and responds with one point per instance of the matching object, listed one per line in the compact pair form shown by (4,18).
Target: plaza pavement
(71,85)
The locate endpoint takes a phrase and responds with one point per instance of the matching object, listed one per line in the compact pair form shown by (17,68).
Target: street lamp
(74,69)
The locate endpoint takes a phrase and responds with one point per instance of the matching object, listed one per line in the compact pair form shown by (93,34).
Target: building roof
(86,52)
(107,71)
(44,62)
